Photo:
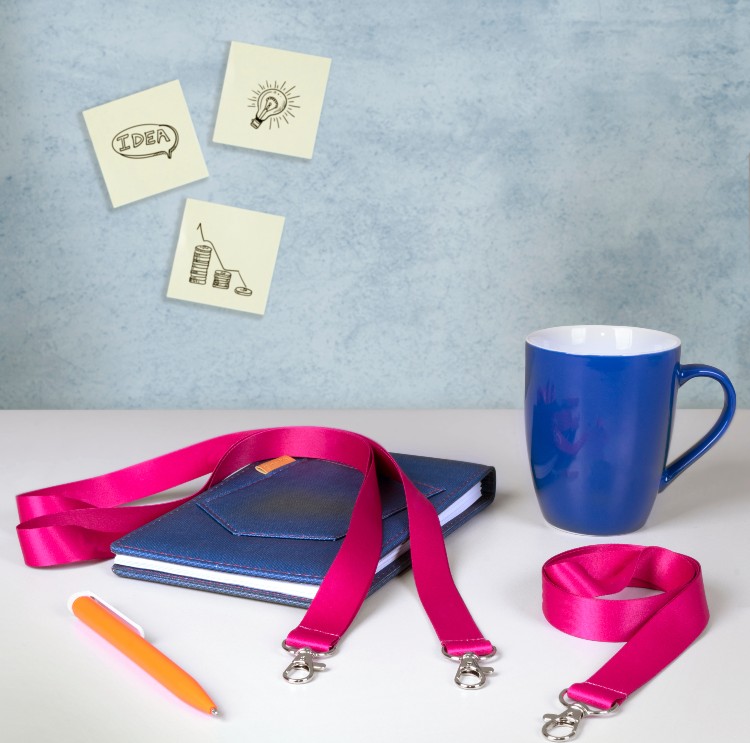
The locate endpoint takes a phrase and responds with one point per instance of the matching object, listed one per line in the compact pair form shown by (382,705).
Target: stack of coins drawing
(222,279)
(203,253)
(199,268)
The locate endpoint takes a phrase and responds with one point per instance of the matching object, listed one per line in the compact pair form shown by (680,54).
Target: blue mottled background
(482,169)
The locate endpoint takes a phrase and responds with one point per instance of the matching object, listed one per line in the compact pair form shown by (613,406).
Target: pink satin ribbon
(656,629)
(78,521)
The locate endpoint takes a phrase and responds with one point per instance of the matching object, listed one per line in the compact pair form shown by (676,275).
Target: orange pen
(128,638)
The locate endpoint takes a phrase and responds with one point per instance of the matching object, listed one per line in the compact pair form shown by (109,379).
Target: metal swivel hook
(471,675)
(570,718)
(303,667)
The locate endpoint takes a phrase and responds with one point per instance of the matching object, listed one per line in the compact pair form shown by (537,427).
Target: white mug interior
(603,340)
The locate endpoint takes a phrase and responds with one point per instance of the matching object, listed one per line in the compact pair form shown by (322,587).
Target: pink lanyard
(656,629)
(78,521)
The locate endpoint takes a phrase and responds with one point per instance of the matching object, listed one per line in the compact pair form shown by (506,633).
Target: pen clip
(99,600)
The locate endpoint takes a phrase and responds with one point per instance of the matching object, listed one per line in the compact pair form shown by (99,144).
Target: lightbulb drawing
(273,103)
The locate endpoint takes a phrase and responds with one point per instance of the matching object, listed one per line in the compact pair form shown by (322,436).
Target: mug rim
(613,340)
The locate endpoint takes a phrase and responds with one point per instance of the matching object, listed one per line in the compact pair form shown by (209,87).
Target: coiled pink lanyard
(656,629)
(78,521)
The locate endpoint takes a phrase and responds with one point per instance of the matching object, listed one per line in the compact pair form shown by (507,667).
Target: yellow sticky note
(271,100)
(225,256)
(145,143)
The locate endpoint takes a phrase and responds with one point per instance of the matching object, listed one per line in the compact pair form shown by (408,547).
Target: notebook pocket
(307,499)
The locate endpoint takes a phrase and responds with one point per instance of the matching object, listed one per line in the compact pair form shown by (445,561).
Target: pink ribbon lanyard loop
(349,578)
(656,629)
(78,521)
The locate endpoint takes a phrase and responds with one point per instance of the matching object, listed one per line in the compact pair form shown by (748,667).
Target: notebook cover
(289,524)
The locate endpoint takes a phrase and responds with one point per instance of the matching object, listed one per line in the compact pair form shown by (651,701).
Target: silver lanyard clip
(471,674)
(304,665)
(570,718)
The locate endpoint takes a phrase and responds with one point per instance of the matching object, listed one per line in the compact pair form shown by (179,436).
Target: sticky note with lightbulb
(271,100)
(225,256)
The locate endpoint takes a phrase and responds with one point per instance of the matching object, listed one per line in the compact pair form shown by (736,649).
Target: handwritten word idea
(146,140)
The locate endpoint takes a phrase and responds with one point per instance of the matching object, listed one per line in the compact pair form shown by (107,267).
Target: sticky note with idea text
(145,143)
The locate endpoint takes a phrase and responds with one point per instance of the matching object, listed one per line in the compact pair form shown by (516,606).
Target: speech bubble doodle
(146,140)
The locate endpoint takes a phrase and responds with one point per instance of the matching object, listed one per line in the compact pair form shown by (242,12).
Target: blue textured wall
(482,169)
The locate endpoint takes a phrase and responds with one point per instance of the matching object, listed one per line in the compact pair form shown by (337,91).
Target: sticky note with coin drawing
(145,143)
(225,256)
(271,100)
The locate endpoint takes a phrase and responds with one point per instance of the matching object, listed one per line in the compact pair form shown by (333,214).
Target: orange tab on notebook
(273,464)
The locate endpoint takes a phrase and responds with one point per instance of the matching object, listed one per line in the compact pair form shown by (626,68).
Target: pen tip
(214,711)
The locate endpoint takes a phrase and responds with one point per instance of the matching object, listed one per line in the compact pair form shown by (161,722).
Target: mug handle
(685,373)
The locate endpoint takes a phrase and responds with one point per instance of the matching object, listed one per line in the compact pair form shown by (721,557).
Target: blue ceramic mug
(599,404)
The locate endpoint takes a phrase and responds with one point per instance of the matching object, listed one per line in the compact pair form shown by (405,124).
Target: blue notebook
(273,536)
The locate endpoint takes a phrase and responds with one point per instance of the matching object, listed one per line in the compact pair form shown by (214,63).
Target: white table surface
(59,682)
